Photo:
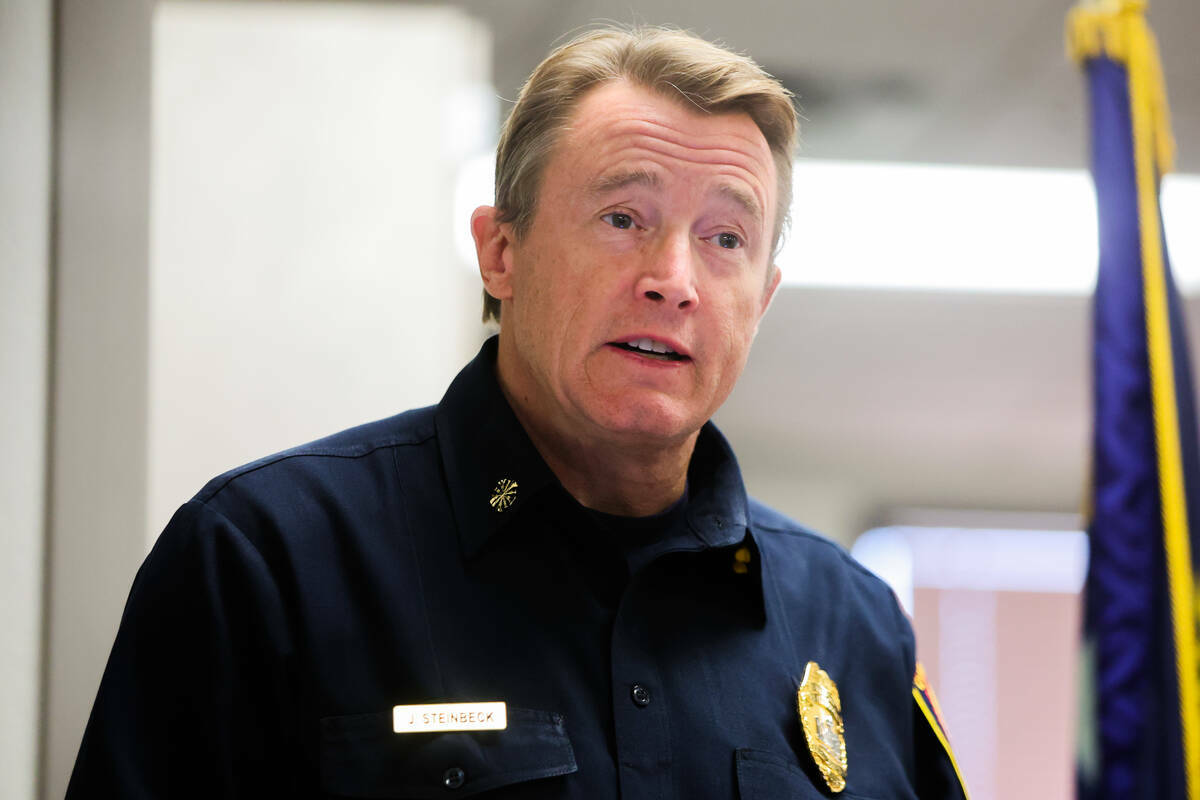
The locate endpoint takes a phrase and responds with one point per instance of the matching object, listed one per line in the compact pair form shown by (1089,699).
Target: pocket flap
(765,776)
(361,756)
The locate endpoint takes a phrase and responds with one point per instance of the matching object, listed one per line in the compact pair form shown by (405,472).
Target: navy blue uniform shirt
(433,557)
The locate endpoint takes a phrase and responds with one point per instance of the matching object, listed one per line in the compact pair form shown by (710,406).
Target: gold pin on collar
(741,560)
(504,495)
(820,710)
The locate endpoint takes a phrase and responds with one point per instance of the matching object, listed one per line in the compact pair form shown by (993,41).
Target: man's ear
(768,294)
(494,249)
(769,289)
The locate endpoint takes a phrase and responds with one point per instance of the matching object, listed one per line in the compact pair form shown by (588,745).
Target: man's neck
(632,479)
(630,483)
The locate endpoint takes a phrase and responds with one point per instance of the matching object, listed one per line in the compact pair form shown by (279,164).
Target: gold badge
(504,495)
(820,710)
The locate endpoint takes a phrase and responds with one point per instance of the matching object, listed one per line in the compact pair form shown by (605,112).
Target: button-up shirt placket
(640,721)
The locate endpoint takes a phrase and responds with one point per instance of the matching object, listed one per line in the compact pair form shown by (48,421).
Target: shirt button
(453,778)
(640,695)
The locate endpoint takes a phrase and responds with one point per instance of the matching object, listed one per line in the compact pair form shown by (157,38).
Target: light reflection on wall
(996,615)
(910,226)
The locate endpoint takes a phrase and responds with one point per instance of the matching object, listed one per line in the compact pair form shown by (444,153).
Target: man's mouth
(651,348)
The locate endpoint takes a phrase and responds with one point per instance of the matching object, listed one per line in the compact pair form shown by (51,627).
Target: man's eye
(729,241)
(618,220)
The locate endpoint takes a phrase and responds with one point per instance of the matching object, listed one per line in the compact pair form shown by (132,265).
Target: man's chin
(651,423)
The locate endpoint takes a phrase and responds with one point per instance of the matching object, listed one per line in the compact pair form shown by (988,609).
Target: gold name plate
(450,717)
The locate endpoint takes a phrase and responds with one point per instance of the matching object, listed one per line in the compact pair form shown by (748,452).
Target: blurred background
(230,227)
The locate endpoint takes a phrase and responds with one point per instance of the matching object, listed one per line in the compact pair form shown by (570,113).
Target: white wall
(303,272)
(25,100)
(99,404)
(253,249)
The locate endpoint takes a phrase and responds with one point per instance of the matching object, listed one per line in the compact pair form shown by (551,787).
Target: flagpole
(1117,30)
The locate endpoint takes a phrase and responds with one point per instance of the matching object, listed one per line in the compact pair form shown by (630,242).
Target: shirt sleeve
(194,701)
(938,776)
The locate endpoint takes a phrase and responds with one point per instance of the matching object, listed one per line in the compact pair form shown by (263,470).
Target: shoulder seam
(841,552)
(250,469)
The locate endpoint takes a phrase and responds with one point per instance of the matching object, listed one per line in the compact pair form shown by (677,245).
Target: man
(552,584)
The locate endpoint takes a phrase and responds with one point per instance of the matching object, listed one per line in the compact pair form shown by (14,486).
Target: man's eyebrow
(641,177)
(744,199)
(619,180)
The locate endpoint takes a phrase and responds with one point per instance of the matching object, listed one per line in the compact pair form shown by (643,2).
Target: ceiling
(924,80)
(951,400)
(921,398)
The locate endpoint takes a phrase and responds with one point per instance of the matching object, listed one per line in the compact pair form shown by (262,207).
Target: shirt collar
(494,471)
(492,468)
(717,508)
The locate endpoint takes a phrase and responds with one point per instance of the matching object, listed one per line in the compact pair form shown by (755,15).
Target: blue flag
(1140,694)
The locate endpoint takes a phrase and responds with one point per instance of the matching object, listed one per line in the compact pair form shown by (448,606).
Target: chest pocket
(766,776)
(362,757)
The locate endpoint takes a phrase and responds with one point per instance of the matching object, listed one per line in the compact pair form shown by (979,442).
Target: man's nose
(669,274)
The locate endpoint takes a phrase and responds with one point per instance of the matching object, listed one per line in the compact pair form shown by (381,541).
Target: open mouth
(651,349)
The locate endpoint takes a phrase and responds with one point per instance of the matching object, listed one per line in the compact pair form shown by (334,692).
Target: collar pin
(504,495)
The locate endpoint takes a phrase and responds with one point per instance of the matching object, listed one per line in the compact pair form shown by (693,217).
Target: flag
(1139,733)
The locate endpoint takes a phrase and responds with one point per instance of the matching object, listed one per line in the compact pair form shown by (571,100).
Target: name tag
(450,717)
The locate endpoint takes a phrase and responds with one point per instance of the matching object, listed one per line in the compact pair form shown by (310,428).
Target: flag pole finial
(1117,30)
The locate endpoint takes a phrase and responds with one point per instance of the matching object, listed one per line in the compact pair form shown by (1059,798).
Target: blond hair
(674,63)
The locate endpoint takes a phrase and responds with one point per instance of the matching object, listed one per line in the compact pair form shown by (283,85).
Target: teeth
(650,346)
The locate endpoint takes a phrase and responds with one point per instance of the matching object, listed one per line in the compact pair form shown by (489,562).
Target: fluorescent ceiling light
(902,226)
(913,226)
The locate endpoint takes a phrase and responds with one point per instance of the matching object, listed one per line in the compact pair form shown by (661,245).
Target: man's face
(652,233)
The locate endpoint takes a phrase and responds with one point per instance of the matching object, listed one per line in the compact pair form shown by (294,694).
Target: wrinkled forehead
(618,126)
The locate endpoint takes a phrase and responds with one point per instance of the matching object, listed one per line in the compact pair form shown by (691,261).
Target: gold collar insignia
(504,495)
